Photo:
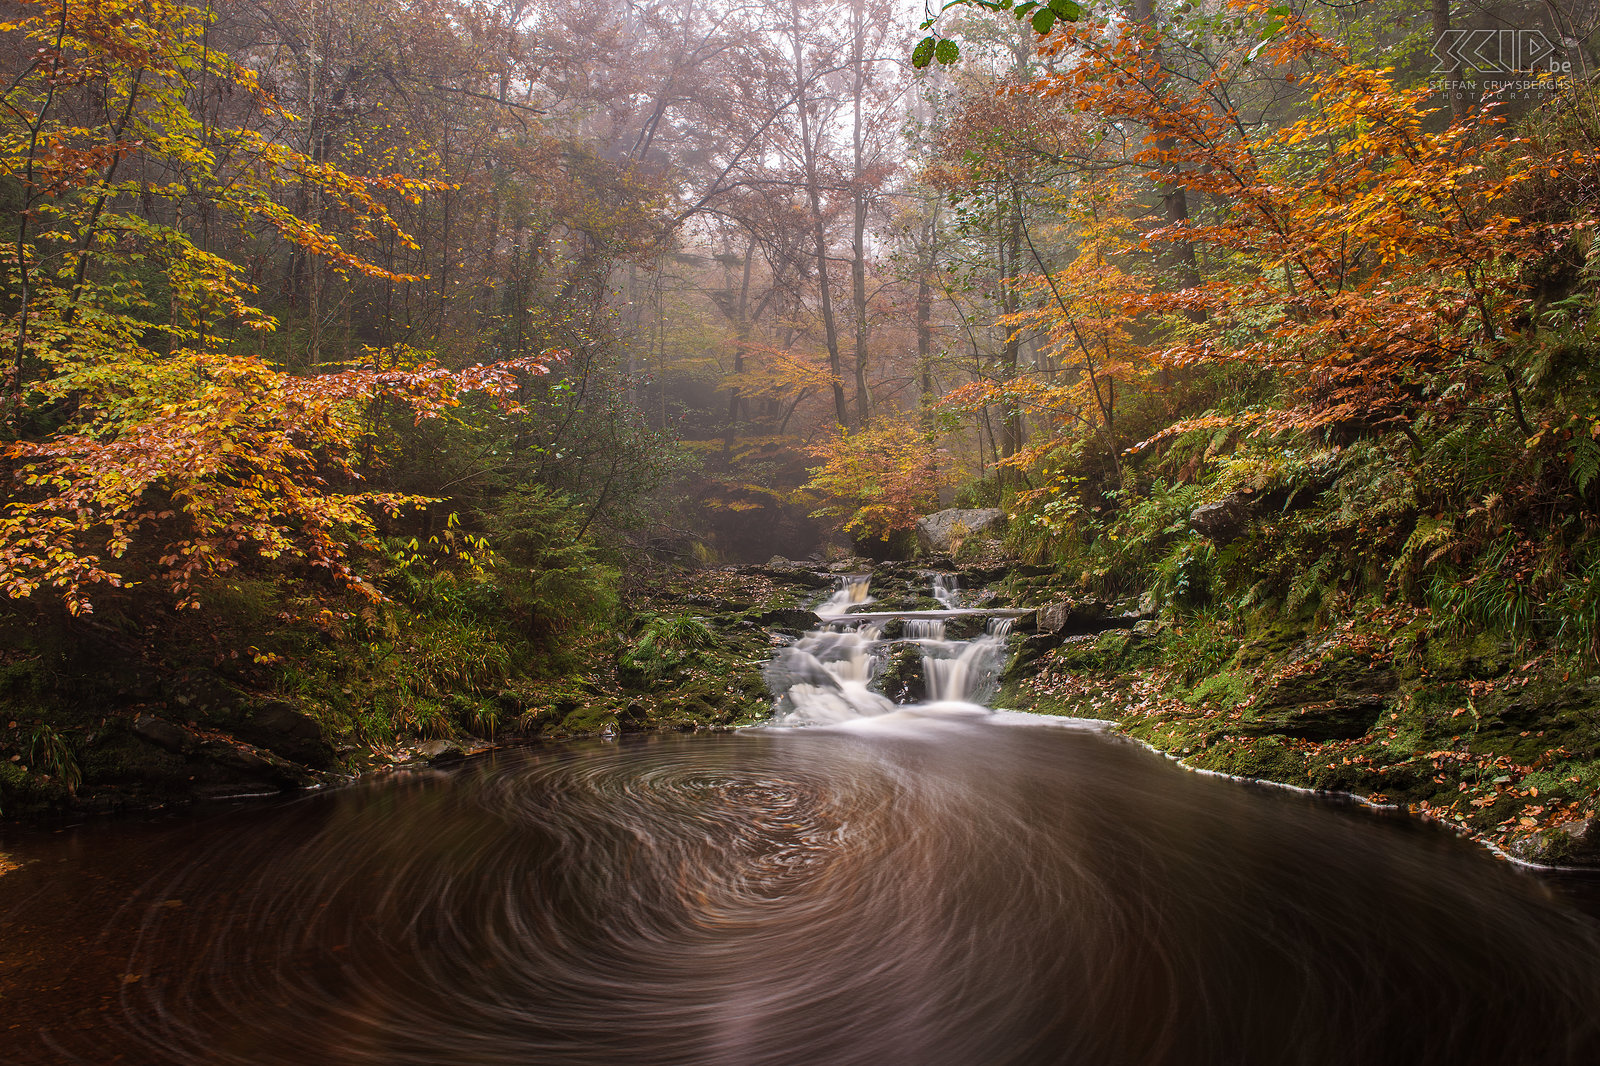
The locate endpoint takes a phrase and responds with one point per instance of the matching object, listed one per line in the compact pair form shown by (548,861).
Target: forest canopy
(371,303)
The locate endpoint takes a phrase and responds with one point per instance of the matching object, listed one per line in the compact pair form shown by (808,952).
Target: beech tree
(147,437)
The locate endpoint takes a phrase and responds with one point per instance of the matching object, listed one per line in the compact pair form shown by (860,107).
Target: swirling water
(932,885)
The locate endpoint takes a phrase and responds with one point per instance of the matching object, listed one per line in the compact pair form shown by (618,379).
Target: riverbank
(254,696)
(1498,741)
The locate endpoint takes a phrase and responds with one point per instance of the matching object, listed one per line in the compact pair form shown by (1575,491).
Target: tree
(147,439)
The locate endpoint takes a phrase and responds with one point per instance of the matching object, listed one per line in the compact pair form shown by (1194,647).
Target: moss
(1466,656)
(1225,690)
(1267,758)
(589,721)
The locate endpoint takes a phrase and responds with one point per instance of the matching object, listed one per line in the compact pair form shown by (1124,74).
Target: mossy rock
(1574,844)
(589,720)
(1468,657)
(901,679)
(1224,690)
(1266,759)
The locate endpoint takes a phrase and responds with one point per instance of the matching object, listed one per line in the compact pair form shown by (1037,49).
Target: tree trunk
(1454,90)
(1011,262)
(1174,197)
(858,197)
(925,309)
(808,153)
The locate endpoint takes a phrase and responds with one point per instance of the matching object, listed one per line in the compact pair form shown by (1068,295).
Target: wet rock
(944,531)
(791,621)
(902,677)
(164,734)
(250,765)
(281,719)
(277,726)
(1574,844)
(441,751)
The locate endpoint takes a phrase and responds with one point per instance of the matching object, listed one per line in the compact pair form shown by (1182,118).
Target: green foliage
(1203,643)
(52,755)
(1124,541)
(1184,576)
(552,576)
(1497,595)
(664,644)
(1575,609)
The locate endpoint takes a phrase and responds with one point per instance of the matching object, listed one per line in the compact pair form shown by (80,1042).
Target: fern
(52,754)
(1428,542)
(1585,463)
(1309,585)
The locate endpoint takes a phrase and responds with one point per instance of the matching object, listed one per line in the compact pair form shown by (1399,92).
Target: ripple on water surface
(964,893)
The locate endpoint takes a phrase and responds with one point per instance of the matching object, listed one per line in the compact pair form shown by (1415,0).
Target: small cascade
(851,592)
(828,676)
(825,676)
(964,671)
(947,590)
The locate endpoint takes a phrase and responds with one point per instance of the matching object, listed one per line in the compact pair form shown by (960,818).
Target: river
(933,884)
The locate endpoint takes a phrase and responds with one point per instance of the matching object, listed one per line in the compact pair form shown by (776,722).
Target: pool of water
(936,885)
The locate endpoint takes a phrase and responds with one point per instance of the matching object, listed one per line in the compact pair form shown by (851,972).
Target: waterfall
(852,591)
(826,674)
(963,671)
(829,675)
(947,590)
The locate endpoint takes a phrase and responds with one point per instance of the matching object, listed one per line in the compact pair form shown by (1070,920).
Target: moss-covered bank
(1476,732)
(262,691)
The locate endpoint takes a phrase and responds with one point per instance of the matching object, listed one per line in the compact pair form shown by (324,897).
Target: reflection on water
(920,888)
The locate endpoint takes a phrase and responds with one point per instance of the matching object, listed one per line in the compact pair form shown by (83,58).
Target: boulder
(790,620)
(441,751)
(1069,618)
(163,733)
(1224,520)
(1077,616)
(278,727)
(943,531)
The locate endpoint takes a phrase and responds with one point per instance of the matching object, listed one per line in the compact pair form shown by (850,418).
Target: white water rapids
(827,676)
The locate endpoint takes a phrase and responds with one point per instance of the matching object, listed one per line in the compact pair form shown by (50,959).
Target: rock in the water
(438,751)
(1576,844)
(278,727)
(790,620)
(164,733)
(944,531)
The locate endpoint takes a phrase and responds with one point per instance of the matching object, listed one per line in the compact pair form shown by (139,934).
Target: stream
(858,881)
